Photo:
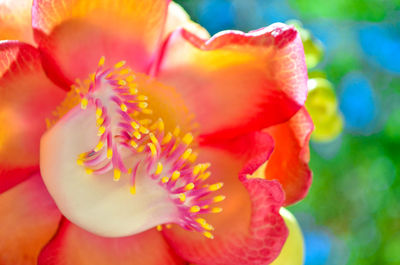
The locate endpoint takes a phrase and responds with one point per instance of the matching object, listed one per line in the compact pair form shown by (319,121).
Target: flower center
(115,168)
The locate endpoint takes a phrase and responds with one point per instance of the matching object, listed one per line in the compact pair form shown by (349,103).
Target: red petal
(289,161)
(249,230)
(15,20)
(75,246)
(27,99)
(74,34)
(28,220)
(237,82)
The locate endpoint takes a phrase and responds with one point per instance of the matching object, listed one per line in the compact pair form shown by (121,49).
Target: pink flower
(125,116)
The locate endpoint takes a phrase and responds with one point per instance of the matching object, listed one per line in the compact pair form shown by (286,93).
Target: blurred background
(352,213)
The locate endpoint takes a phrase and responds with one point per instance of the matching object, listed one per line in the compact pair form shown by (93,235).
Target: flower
(137,119)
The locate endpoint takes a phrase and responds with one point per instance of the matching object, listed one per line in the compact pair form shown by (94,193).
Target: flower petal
(74,34)
(27,98)
(249,230)
(28,220)
(237,82)
(15,20)
(75,246)
(289,162)
(177,17)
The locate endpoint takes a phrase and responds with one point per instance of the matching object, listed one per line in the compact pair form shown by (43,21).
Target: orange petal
(177,18)
(15,20)
(75,246)
(249,230)
(27,98)
(74,34)
(289,161)
(237,82)
(28,220)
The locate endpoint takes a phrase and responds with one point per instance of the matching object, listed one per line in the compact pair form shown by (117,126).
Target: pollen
(119,64)
(117,174)
(216,186)
(189,186)
(194,209)
(159,168)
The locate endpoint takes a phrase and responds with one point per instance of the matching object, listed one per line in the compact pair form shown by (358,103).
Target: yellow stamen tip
(142,98)
(122,82)
(177,131)
(152,149)
(164,179)
(133,144)
(192,158)
(84,103)
(125,71)
(102,61)
(216,210)
(159,168)
(219,198)
(130,78)
(79,161)
(109,153)
(89,171)
(161,125)
(135,125)
(208,235)
(132,190)
(99,146)
(189,186)
(182,197)
(124,108)
(99,112)
(142,105)
(186,154)
(117,174)
(144,130)
(101,131)
(137,135)
(159,228)
(119,64)
(167,138)
(194,209)
(175,175)
(153,138)
(187,139)
(216,186)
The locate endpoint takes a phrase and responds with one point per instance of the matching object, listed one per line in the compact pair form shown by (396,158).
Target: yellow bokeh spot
(293,251)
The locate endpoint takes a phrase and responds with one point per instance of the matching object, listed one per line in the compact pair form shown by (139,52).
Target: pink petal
(28,220)
(237,82)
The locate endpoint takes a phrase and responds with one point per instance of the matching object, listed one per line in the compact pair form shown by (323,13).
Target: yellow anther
(142,98)
(142,105)
(89,171)
(119,64)
(194,209)
(193,156)
(153,139)
(207,226)
(130,78)
(159,228)
(216,210)
(177,131)
(92,77)
(196,169)
(201,220)
(125,71)
(147,111)
(167,138)
(133,190)
(102,61)
(208,235)
(204,176)
(216,186)
(109,153)
(189,186)
(144,130)
(99,146)
(141,148)
(133,143)
(219,198)
(99,121)
(135,125)
(182,197)
(101,131)
(159,168)
(145,121)
(152,149)
(168,226)
(124,108)
(117,174)
(160,125)
(137,135)
(175,175)
(109,75)
(79,161)
(122,82)
(129,170)
(99,112)
(132,89)
(84,103)
(164,179)
(187,139)
(186,154)
(205,207)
